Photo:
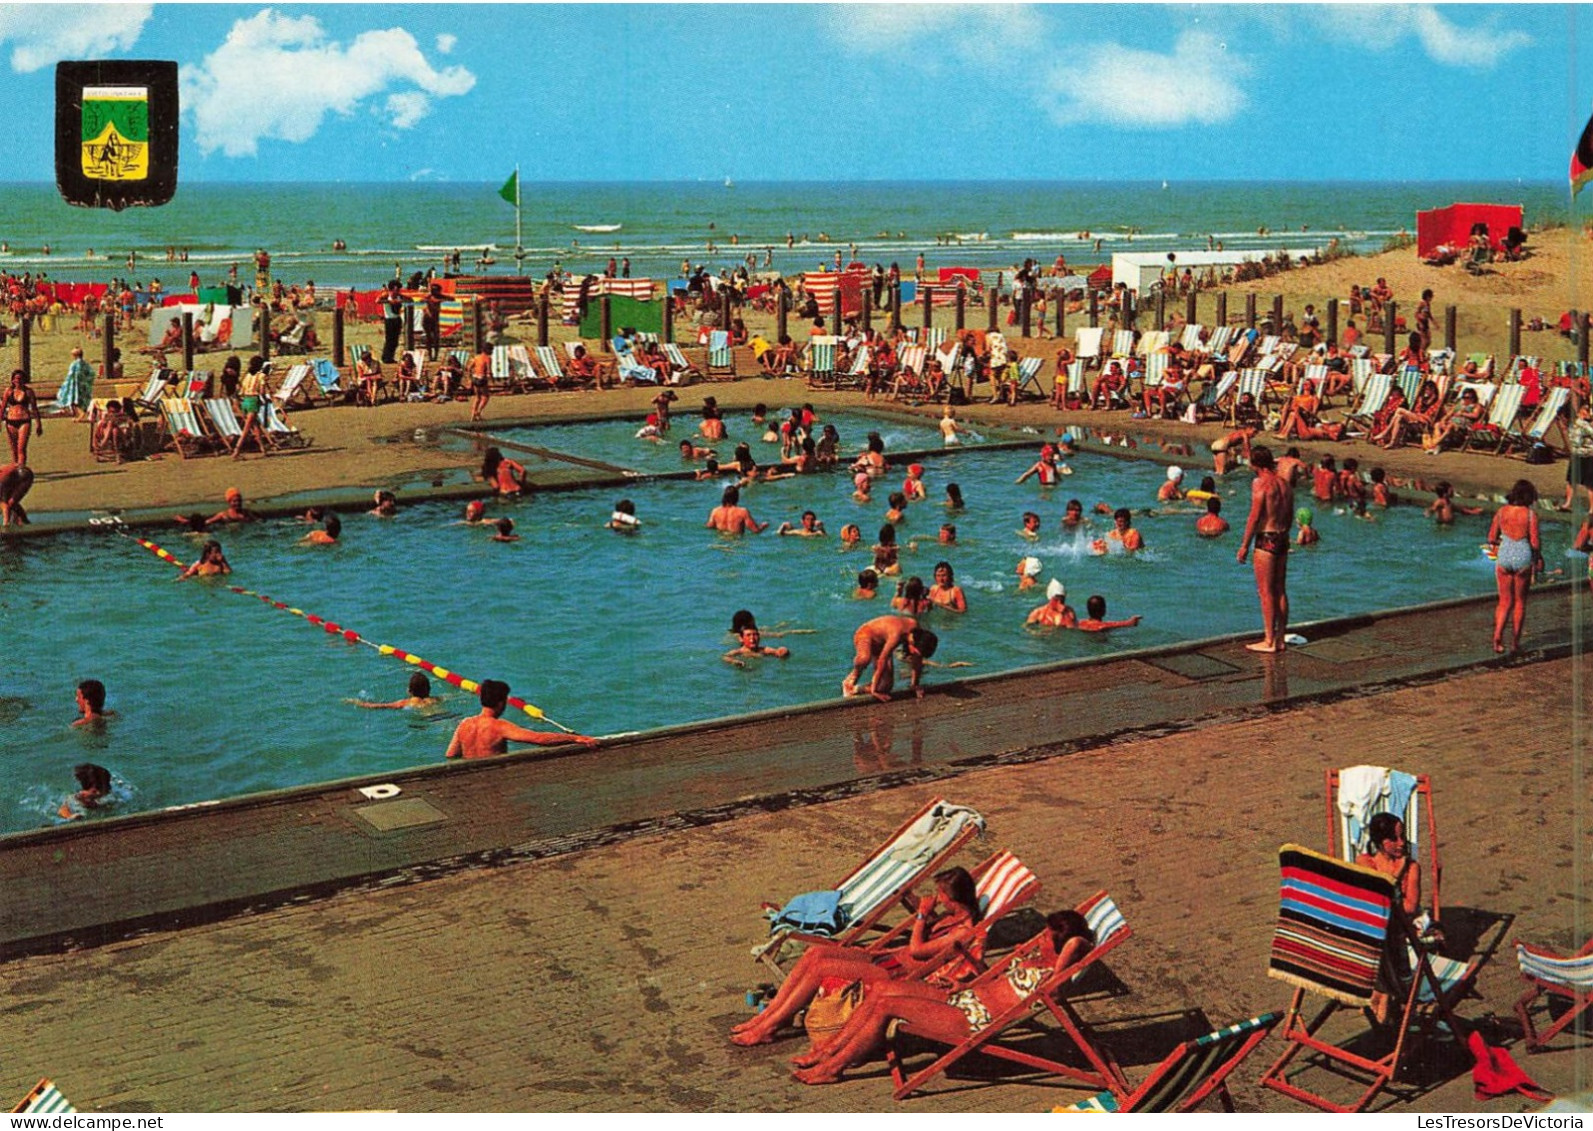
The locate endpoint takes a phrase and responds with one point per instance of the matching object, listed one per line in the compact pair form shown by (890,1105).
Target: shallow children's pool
(218,694)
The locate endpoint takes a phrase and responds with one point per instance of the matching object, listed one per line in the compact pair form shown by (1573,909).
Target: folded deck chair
(1502,413)
(1190,1074)
(1548,974)
(1356,794)
(277,429)
(1537,430)
(721,357)
(1089,343)
(821,361)
(1049,996)
(44,1099)
(684,370)
(1342,935)
(1002,883)
(912,852)
(184,431)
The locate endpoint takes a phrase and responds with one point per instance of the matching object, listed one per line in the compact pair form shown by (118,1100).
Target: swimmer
(710,470)
(1095,619)
(946,593)
(650,431)
(876,642)
(1046,467)
(505,474)
(487,734)
(730,517)
(810,527)
(212,562)
(1123,532)
(1443,507)
(913,486)
(953,497)
(886,552)
(419,697)
(860,484)
(1382,494)
(1028,572)
(1073,516)
(1308,535)
(234,511)
(1171,491)
(867,586)
(94,788)
(752,645)
(386,505)
(1056,612)
(505,530)
(624,518)
(1031,526)
(91,705)
(327,536)
(1212,524)
(691,452)
(475,513)
(898,511)
(851,535)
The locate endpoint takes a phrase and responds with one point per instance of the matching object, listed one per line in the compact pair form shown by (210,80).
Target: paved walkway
(607,979)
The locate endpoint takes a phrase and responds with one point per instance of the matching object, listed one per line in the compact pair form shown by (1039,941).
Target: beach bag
(813,913)
(831,1007)
(1540,454)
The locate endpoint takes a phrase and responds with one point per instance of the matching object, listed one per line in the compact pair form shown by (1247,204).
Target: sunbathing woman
(1466,415)
(947,1018)
(503,473)
(1421,413)
(936,936)
(1385,836)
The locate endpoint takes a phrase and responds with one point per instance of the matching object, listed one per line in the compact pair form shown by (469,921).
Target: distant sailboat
(729,183)
(597,228)
(1164,186)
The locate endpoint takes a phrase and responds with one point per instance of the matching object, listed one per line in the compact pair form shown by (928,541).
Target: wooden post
(108,343)
(339,347)
(1095,308)
(1189,307)
(188,341)
(605,322)
(725,312)
(1024,314)
(1250,310)
(543,302)
(868,309)
(896,306)
(992,308)
(1449,328)
(1222,308)
(1277,314)
(1515,334)
(25,346)
(478,327)
(1061,313)
(1333,321)
(1390,338)
(1161,309)
(1581,323)
(264,313)
(409,325)
(929,307)
(960,306)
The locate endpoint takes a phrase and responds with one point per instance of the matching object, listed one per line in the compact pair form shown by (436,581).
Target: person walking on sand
(1271,507)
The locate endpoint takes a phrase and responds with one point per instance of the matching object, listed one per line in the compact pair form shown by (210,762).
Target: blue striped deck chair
(1269,344)
(1410,382)
(856,375)
(1190,338)
(1548,974)
(721,357)
(1484,363)
(646,338)
(1029,377)
(1342,935)
(821,361)
(1356,794)
(45,1099)
(1048,997)
(1484,390)
(1372,398)
(1313,379)
(1214,394)
(1502,413)
(1220,341)
(277,429)
(184,432)
(328,378)
(1123,345)
(1537,432)
(915,850)
(1361,371)
(548,362)
(1190,1074)
(683,369)
(154,389)
(629,369)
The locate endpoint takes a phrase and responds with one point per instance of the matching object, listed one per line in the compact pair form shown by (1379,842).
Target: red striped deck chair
(1048,997)
(915,850)
(1190,1074)
(1348,812)
(1548,974)
(1342,935)
(45,1099)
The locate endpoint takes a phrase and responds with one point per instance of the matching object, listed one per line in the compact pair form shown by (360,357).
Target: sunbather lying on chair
(950,1018)
(937,935)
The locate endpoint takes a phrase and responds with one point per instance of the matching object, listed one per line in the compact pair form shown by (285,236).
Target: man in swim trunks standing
(1271,507)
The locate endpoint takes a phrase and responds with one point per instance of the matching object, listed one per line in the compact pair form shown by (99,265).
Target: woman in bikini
(948,1018)
(1518,554)
(503,474)
(945,924)
(22,416)
(1385,835)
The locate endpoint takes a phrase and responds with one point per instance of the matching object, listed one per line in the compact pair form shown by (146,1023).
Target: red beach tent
(1452,225)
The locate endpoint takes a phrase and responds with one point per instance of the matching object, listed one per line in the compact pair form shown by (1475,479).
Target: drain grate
(1194,665)
(1342,650)
(407,813)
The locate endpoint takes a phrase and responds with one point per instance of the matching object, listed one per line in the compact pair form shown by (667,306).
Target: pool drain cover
(409,813)
(1343,650)
(1193,665)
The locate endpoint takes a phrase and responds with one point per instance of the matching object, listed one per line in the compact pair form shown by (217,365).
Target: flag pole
(519,244)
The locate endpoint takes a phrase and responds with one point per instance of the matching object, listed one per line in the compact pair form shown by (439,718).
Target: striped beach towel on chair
(1332,928)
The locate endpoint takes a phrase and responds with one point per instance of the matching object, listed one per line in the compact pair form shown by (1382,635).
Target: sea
(388,229)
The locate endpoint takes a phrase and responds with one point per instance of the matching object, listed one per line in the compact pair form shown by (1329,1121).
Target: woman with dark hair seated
(945,922)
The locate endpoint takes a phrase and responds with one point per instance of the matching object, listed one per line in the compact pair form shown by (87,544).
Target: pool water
(218,694)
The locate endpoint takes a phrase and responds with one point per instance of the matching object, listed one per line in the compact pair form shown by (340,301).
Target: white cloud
(1380,27)
(931,34)
(43,34)
(1124,86)
(445,43)
(278,77)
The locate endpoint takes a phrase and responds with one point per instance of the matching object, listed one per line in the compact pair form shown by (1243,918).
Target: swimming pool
(219,695)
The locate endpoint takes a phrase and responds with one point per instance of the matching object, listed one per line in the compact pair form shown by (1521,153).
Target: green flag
(511,188)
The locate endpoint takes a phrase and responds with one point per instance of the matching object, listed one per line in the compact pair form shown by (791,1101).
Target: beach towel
(1361,788)
(886,874)
(1332,927)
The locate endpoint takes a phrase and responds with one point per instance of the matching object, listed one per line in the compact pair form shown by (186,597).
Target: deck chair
(1517,364)
(511,368)
(196,385)
(184,431)
(1372,399)
(1502,413)
(1190,339)
(1484,390)
(1220,341)
(1078,390)
(1214,394)
(856,374)
(684,370)
(912,852)
(1410,382)
(934,337)
(627,368)
(1361,371)
(1313,379)
(1269,344)
(1190,1074)
(293,384)
(1002,883)
(44,1099)
(912,357)
(1537,432)
(1252,381)
(1123,345)
(277,429)
(821,361)
(224,423)
(1484,365)
(721,357)
(1049,996)
(154,389)
(548,362)
(1151,341)
(1088,339)
(1154,373)
(1356,794)
(1548,974)
(328,379)
(1342,935)
(1029,377)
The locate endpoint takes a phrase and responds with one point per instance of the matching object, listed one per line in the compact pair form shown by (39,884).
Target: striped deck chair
(1361,371)
(1252,381)
(1155,372)
(912,357)
(1123,345)
(1537,432)
(1484,390)
(627,368)
(1548,974)
(1313,379)
(1190,1074)
(293,384)
(510,371)
(856,374)
(1502,413)
(1029,377)
(1048,996)
(915,850)
(721,357)
(1078,391)
(277,429)
(1088,339)
(1002,883)
(328,378)
(196,385)
(44,1099)
(154,389)
(1342,935)
(1151,341)
(1410,382)
(949,354)
(184,431)
(1220,341)
(934,337)
(1356,794)
(548,362)
(1269,344)
(1190,339)
(1372,398)
(821,361)
(1214,394)
(1441,360)
(1484,364)
(224,422)
(1517,364)
(684,370)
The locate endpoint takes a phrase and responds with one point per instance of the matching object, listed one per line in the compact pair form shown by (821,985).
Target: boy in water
(1095,619)
(1382,493)
(811,527)
(488,733)
(752,645)
(1443,507)
(867,586)
(419,696)
(1212,524)
(1308,535)
(91,705)
(94,787)
(1031,526)
(1352,487)
(505,530)
(325,537)
(1123,531)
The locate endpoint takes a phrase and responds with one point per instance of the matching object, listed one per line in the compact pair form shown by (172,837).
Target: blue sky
(445,92)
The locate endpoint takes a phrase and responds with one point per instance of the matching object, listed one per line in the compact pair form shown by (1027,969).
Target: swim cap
(915,468)
(1046,450)
(1056,590)
(860,480)
(475,506)
(1175,473)
(1031,567)
(233,493)
(1303,516)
